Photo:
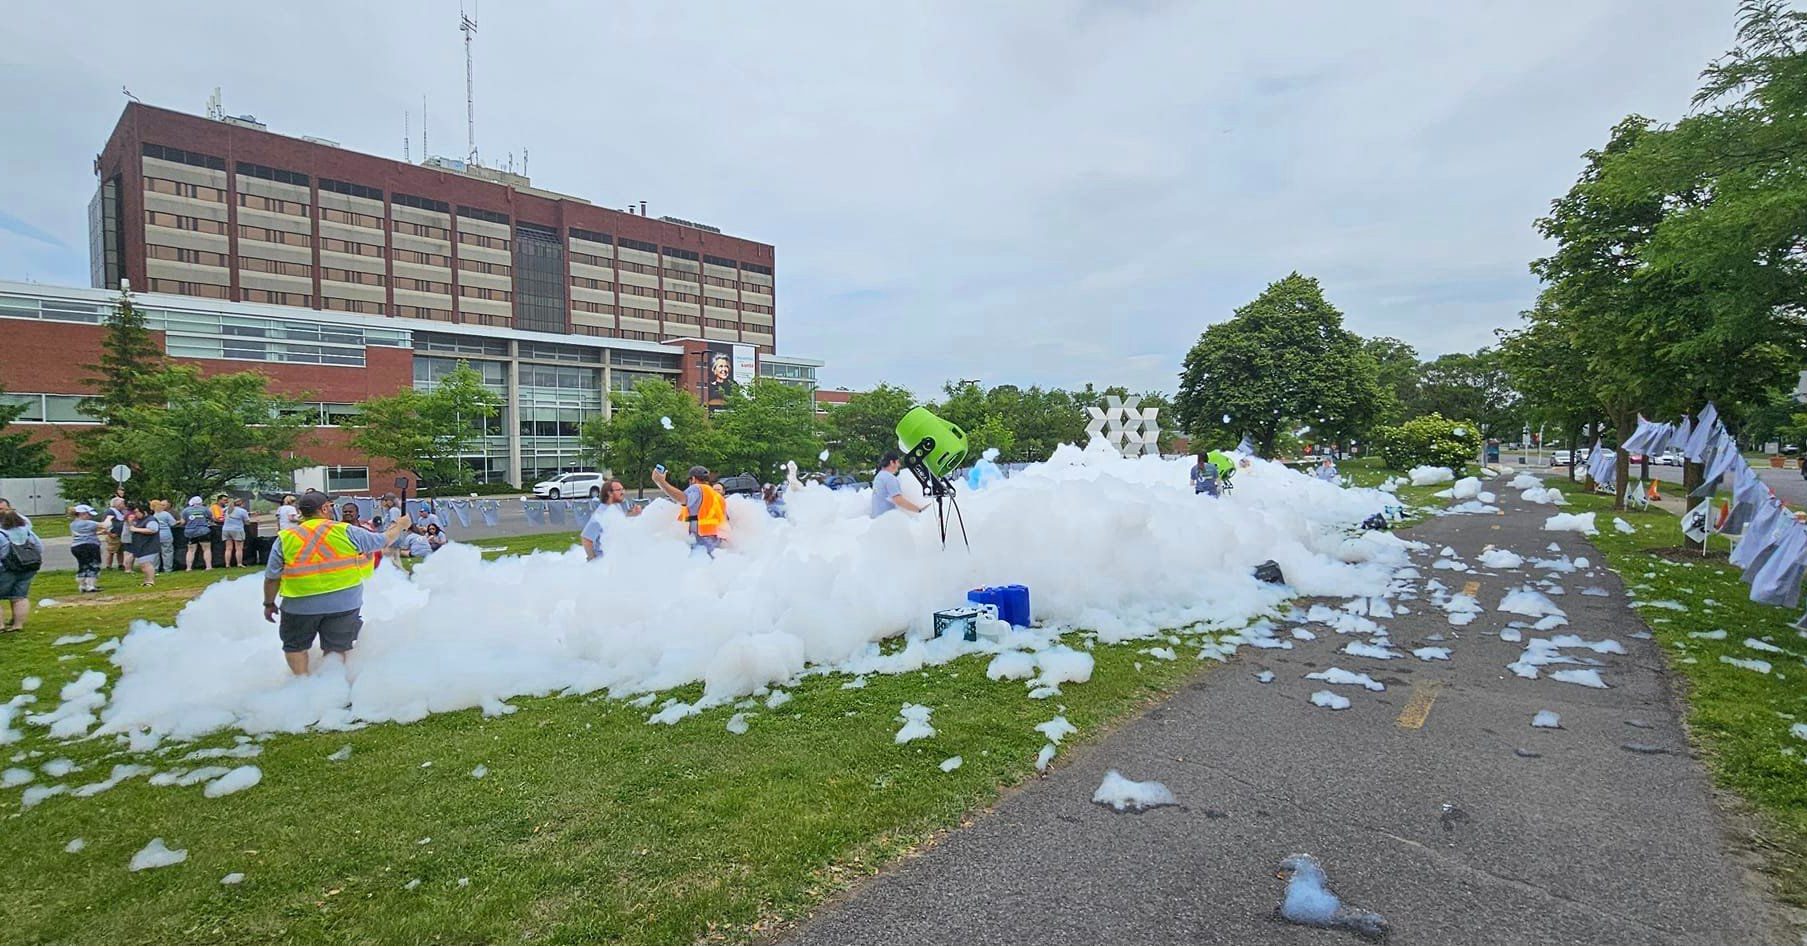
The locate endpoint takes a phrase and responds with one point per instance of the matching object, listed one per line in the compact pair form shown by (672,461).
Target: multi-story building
(344,275)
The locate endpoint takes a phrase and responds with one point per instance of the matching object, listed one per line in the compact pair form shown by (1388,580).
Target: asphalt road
(1472,827)
(1786,482)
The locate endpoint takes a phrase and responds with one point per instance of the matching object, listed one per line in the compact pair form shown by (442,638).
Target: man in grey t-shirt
(887,490)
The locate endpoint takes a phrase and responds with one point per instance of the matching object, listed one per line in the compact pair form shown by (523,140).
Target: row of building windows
(351,190)
(272,174)
(424,312)
(268,235)
(184,255)
(274,205)
(353,218)
(275,298)
(480,214)
(484,266)
(282,267)
(584,305)
(633,290)
(187,288)
(325,413)
(183,222)
(420,203)
(47,409)
(484,292)
(588,283)
(352,247)
(351,276)
(591,259)
(184,189)
(423,285)
(484,240)
(422,230)
(179,156)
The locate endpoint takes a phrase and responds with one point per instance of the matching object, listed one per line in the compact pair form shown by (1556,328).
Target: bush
(1432,440)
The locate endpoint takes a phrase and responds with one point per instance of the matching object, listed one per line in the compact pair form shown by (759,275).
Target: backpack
(1269,572)
(22,556)
(195,523)
(1377,521)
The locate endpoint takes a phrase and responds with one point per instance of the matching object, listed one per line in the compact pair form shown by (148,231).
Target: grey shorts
(337,631)
(15,585)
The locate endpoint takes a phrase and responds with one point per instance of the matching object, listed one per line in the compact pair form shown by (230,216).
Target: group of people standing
(140,536)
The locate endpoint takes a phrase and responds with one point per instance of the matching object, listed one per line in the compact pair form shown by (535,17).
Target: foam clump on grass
(916,726)
(823,588)
(156,854)
(1582,523)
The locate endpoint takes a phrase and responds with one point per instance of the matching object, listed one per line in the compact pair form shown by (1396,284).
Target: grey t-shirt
(236,518)
(343,600)
(885,486)
(84,533)
(693,501)
(165,520)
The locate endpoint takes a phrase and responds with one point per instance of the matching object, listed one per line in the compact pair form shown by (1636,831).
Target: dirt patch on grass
(1687,553)
(176,595)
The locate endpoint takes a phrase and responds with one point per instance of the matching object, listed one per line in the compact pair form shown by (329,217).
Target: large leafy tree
(1282,360)
(127,376)
(764,424)
(20,455)
(426,433)
(1396,366)
(861,430)
(208,432)
(1472,386)
(1550,375)
(635,436)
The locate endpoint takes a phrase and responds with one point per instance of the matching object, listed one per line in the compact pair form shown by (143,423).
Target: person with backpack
(84,545)
(197,528)
(21,556)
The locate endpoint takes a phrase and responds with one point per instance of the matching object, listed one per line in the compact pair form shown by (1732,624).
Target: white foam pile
(1431,654)
(1582,523)
(1622,526)
(1121,794)
(820,588)
(1330,700)
(915,719)
(1336,675)
(155,854)
(1525,481)
(1530,602)
(1467,488)
(1494,557)
(1422,476)
(1547,719)
(1749,664)
(1548,495)
(1540,652)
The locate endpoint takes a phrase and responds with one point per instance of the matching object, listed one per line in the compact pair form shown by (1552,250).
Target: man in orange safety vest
(700,504)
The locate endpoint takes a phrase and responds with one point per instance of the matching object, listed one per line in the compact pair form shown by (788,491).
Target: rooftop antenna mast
(424,153)
(467,24)
(214,111)
(407,156)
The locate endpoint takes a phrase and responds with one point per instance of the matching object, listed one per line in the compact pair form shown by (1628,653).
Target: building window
(266,235)
(682,297)
(477,214)
(591,259)
(184,189)
(47,409)
(272,174)
(179,156)
(422,230)
(588,283)
(425,259)
(184,255)
(633,290)
(584,305)
(422,285)
(421,203)
(347,479)
(273,205)
(351,190)
(755,307)
(640,336)
(721,324)
(484,266)
(424,312)
(632,267)
(283,267)
(721,261)
(305,300)
(351,276)
(484,292)
(351,217)
(184,288)
(640,245)
(351,247)
(180,222)
(351,305)
(483,240)
(756,268)
(718,281)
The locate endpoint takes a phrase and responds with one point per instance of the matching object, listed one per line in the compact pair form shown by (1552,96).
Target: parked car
(575,484)
(1561,458)
(1671,458)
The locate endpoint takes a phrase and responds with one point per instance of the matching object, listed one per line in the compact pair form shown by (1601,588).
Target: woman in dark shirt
(141,542)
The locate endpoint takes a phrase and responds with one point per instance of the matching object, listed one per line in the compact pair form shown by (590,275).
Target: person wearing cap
(113,526)
(84,544)
(318,568)
(197,529)
(389,510)
(701,505)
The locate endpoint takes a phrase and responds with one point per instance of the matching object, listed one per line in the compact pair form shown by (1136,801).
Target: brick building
(343,275)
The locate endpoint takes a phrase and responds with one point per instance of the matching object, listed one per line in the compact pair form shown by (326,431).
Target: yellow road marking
(1471,587)
(1418,707)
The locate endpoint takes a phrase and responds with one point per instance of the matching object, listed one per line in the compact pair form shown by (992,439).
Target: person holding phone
(702,506)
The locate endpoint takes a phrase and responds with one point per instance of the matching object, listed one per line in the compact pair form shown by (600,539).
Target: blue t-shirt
(595,526)
(885,486)
(84,533)
(236,518)
(693,501)
(343,600)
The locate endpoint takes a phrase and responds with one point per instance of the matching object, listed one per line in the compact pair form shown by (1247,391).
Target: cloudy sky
(1040,192)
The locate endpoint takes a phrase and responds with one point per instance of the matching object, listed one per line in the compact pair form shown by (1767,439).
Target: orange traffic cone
(1651,493)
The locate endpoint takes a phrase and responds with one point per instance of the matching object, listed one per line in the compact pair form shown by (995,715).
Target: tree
(764,424)
(1474,387)
(1549,374)
(20,456)
(861,430)
(129,370)
(636,436)
(1282,360)
(211,431)
(427,433)
(1396,364)
(991,432)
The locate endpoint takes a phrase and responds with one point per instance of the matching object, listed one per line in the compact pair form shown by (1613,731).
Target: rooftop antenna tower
(214,111)
(424,153)
(406,155)
(467,24)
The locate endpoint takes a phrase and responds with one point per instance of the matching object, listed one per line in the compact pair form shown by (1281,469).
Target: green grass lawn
(591,825)
(1739,718)
(48,526)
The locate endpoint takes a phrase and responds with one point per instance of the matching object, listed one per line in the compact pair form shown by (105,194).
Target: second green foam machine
(934,449)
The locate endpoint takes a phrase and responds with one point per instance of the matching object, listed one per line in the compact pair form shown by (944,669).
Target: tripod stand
(939,487)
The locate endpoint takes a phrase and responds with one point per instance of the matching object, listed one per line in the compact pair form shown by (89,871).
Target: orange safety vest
(710,514)
(318,557)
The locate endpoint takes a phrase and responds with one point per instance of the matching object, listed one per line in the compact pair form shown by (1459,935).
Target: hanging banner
(744,366)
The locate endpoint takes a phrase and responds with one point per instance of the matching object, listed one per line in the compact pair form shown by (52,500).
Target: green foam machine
(933,450)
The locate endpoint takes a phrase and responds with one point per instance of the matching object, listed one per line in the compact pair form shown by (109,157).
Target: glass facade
(489,462)
(105,264)
(555,401)
(47,409)
(803,376)
(539,280)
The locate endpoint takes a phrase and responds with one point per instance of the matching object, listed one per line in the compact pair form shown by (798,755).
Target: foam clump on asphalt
(1530,603)
(1431,654)
(1586,677)
(1124,794)
(1363,649)
(1310,901)
(822,588)
(1546,495)
(1330,700)
(1494,557)
(1336,675)
(1424,476)
(1467,488)
(1582,523)
(1547,719)
(1525,481)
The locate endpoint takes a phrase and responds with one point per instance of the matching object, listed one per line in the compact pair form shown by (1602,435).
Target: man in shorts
(319,568)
